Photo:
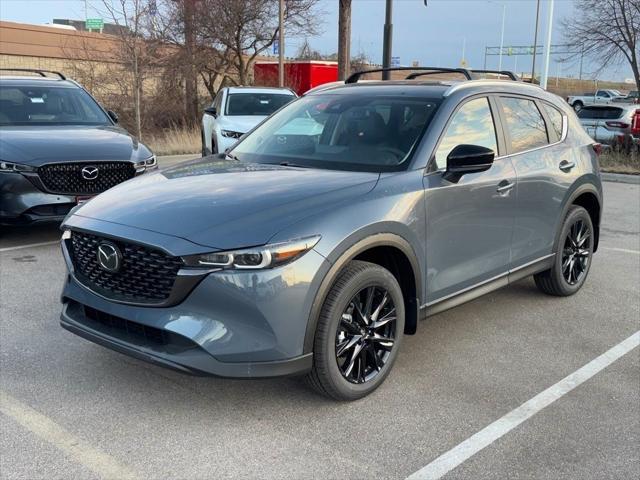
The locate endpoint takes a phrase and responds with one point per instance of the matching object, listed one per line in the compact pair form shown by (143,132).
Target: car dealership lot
(72,409)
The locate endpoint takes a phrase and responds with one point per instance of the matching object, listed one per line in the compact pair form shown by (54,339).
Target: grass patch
(175,141)
(620,162)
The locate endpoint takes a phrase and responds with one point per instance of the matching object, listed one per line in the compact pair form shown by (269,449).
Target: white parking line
(485,437)
(30,245)
(623,250)
(90,457)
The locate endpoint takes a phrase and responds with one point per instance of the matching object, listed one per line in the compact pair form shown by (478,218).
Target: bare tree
(344,38)
(607,31)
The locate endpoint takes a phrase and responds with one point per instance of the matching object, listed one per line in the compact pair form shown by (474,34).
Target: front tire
(359,332)
(573,257)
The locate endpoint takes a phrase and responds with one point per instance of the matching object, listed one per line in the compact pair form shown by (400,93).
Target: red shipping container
(300,75)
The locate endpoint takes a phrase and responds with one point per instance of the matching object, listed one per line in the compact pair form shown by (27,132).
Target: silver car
(617,126)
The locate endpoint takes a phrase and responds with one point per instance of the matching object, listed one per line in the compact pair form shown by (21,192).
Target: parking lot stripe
(623,250)
(485,437)
(30,245)
(90,457)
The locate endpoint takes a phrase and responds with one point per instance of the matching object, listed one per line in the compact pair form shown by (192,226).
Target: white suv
(235,111)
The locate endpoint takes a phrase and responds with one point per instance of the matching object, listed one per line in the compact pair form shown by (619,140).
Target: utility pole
(535,44)
(388,38)
(190,75)
(504,11)
(281,44)
(547,48)
(344,39)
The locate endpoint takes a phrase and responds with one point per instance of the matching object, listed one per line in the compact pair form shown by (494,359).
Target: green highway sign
(94,24)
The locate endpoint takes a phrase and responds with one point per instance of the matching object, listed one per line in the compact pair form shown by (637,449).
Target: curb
(620,178)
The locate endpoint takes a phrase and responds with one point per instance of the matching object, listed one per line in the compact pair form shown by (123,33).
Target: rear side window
(525,124)
(472,124)
(600,113)
(555,116)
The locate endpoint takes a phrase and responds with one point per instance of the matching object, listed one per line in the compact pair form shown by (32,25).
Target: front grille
(67,179)
(136,333)
(145,276)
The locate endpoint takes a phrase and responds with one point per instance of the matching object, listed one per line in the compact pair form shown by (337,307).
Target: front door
(470,222)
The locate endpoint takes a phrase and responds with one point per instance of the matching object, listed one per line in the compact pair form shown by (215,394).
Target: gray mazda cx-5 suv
(322,237)
(58,147)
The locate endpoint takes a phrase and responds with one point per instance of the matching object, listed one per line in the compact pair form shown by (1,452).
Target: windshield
(345,132)
(256,103)
(48,106)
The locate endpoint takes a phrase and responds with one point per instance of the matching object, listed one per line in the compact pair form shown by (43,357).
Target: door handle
(566,166)
(504,187)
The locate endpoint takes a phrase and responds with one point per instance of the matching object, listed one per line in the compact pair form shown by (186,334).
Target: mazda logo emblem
(89,173)
(109,257)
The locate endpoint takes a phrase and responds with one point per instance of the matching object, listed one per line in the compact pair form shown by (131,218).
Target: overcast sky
(432,35)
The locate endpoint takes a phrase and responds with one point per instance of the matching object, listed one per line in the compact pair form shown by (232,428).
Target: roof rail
(505,73)
(418,71)
(40,72)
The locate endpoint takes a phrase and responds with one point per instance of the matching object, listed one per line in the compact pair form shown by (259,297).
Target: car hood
(240,123)
(225,204)
(36,145)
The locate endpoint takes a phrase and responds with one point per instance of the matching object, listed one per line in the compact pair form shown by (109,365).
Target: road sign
(395,61)
(94,24)
(276,47)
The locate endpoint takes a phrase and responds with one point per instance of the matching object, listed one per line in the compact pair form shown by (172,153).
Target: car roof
(430,89)
(33,81)
(284,91)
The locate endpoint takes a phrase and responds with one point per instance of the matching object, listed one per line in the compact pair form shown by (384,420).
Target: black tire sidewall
(576,213)
(373,275)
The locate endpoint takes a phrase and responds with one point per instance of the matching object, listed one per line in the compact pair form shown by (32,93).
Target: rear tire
(577,106)
(573,256)
(348,323)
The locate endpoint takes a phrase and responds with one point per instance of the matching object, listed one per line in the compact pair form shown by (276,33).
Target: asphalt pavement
(72,409)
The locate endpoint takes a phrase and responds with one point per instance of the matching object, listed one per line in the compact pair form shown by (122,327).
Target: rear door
(545,166)
(469,222)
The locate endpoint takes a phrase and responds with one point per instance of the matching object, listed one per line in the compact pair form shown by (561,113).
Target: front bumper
(22,203)
(241,324)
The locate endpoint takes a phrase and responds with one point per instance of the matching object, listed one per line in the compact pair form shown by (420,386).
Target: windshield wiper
(231,156)
(289,164)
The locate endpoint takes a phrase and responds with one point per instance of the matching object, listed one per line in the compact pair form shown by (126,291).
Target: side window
(218,102)
(602,93)
(556,119)
(525,124)
(471,124)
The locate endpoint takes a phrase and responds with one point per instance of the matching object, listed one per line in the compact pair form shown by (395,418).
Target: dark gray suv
(328,231)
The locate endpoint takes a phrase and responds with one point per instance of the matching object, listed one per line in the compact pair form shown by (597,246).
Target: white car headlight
(9,167)
(231,134)
(268,256)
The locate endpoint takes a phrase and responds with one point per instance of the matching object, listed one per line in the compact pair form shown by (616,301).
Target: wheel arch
(388,250)
(588,197)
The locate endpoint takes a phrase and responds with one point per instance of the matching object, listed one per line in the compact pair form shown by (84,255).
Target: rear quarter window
(555,117)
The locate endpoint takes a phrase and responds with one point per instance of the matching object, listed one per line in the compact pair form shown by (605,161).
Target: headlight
(142,165)
(7,167)
(269,256)
(151,161)
(231,134)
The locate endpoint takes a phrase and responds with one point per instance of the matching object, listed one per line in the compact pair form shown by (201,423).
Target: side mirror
(113,115)
(211,111)
(465,159)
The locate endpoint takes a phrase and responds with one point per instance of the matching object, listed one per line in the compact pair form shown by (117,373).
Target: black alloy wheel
(366,334)
(576,253)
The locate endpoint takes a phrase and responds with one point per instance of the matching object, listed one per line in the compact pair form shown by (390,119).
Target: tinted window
(600,113)
(49,106)
(471,124)
(256,103)
(525,124)
(556,118)
(347,132)
(602,93)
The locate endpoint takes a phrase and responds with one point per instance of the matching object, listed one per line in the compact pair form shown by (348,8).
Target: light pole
(281,43)
(388,38)
(535,44)
(547,48)
(504,10)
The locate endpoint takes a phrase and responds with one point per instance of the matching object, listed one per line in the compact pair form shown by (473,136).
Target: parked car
(58,147)
(313,252)
(613,125)
(235,111)
(631,97)
(599,97)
